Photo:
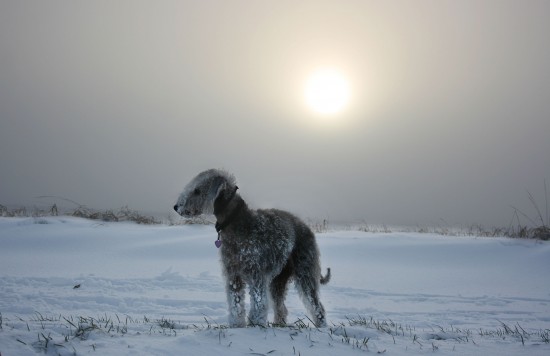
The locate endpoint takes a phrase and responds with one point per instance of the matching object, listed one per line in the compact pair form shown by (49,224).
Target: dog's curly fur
(263,249)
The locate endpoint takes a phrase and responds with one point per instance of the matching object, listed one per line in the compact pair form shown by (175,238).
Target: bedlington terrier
(263,249)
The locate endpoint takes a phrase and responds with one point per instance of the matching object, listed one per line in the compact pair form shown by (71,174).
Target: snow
(155,290)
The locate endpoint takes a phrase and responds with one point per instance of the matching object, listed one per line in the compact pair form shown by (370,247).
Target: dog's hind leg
(308,288)
(278,290)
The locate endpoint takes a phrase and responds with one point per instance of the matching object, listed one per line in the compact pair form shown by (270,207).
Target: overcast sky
(122,103)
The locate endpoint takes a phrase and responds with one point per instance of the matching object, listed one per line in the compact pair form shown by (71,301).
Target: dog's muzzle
(186,213)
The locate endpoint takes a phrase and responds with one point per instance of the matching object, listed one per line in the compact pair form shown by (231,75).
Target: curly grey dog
(263,249)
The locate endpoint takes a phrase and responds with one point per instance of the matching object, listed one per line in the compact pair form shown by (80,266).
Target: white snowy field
(158,290)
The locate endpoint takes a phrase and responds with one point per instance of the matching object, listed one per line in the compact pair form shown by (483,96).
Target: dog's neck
(228,211)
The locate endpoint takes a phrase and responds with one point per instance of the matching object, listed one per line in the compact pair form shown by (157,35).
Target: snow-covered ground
(158,290)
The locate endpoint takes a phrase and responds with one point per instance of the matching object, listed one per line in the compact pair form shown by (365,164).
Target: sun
(327,91)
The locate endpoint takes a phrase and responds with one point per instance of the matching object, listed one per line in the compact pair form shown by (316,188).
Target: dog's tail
(326,278)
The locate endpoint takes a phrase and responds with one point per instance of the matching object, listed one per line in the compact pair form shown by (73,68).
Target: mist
(114,104)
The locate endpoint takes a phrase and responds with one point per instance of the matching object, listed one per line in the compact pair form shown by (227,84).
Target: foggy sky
(122,103)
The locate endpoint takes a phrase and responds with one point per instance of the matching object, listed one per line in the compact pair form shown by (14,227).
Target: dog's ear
(220,192)
(225,193)
(220,200)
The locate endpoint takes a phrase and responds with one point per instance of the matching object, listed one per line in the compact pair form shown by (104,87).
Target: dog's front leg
(235,289)
(258,302)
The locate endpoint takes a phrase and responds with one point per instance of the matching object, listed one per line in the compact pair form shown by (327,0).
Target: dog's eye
(197,191)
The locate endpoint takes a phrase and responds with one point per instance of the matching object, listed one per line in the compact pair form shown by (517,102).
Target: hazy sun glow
(327,91)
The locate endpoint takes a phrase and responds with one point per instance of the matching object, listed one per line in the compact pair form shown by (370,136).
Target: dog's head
(201,194)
